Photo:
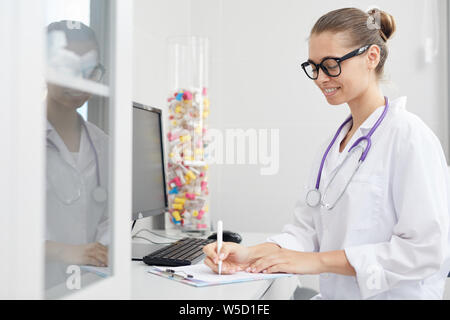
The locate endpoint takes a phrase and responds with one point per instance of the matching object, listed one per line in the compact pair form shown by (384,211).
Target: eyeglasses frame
(319,66)
(102,69)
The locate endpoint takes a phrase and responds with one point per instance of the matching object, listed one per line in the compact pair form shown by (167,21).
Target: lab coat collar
(86,155)
(335,157)
(394,106)
(54,137)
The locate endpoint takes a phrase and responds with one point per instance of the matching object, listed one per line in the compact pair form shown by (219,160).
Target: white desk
(147,286)
(152,287)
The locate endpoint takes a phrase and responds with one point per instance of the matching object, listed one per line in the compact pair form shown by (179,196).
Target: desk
(152,287)
(147,286)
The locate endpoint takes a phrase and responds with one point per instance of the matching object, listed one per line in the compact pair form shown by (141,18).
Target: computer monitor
(149,185)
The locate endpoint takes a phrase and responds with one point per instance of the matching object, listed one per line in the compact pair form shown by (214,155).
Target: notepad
(203,276)
(99,271)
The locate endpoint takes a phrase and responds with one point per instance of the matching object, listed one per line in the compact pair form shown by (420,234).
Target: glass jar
(188,110)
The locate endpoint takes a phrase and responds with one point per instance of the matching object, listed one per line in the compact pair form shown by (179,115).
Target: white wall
(154,21)
(256,82)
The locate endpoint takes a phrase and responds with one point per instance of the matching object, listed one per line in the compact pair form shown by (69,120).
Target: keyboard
(184,252)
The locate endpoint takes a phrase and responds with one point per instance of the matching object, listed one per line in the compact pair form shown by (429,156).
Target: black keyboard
(181,253)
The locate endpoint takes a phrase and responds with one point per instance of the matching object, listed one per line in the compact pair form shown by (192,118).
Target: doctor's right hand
(234,257)
(94,254)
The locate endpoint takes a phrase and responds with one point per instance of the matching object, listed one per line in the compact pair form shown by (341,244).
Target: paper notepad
(101,272)
(204,276)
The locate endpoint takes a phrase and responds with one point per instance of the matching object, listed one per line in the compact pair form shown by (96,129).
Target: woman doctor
(374,220)
(77,160)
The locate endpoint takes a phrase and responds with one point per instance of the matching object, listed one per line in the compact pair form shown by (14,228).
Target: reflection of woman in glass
(77,159)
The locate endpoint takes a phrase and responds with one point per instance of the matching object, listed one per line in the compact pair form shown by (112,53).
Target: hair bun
(386,22)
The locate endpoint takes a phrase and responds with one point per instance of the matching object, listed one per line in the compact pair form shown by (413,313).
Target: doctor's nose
(323,78)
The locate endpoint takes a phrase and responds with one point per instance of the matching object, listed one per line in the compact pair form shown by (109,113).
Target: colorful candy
(176,181)
(201,226)
(178,206)
(176,215)
(190,196)
(187,96)
(186,169)
(200,214)
(180,200)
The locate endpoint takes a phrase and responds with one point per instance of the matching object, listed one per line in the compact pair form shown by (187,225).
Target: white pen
(219,242)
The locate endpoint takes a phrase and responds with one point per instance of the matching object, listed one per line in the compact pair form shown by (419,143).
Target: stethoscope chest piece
(313,198)
(100,195)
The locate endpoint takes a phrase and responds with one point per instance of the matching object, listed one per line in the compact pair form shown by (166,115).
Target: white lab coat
(393,220)
(84,221)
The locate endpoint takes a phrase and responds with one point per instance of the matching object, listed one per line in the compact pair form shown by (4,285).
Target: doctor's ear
(373,57)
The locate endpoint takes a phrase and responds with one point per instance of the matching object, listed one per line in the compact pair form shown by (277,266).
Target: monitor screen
(149,187)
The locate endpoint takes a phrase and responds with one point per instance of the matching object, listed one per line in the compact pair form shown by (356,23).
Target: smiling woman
(364,231)
(350,47)
(360,29)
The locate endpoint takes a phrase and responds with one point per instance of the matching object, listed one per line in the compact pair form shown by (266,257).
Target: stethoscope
(99,194)
(314,197)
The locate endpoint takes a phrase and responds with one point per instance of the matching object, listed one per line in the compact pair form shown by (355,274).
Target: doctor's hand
(94,254)
(234,257)
(287,261)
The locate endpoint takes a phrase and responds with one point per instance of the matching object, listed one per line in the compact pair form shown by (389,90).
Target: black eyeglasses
(331,66)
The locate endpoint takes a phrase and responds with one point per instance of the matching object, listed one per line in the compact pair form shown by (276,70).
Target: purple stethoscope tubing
(99,193)
(366,138)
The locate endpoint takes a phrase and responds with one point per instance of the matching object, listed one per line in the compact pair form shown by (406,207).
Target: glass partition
(78,143)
